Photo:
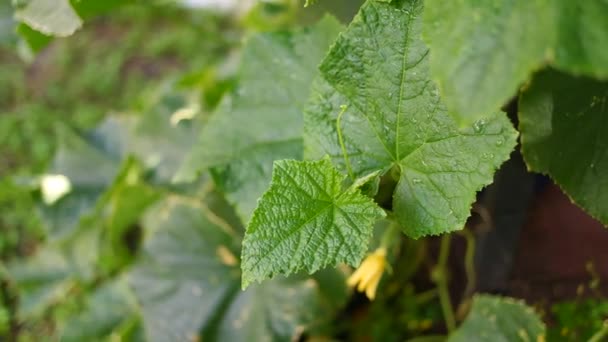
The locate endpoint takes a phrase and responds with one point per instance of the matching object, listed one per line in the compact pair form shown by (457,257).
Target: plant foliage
(224,210)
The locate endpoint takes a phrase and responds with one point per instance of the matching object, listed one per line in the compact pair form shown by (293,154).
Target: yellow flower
(369,273)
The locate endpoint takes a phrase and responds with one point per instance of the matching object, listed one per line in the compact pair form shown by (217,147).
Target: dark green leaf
(564,126)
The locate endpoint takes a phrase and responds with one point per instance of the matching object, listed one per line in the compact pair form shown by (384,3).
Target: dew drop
(499,142)
(479,126)
(416,180)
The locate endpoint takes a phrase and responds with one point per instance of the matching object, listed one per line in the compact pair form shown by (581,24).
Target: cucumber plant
(336,144)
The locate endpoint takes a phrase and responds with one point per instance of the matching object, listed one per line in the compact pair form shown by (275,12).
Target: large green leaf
(495,319)
(187,281)
(261,121)
(482,51)
(308,215)
(51,17)
(379,98)
(564,127)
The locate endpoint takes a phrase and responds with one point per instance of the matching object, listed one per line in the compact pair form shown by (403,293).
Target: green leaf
(51,17)
(116,215)
(91,161)
(482,51)
(187,268)
(41,280)
(499,319)
(261,121)
(564,126)
(277,310)
(107,311)
(395,120)
(582,35)
(158,138)
(306,220)
(74,159)
(187,281)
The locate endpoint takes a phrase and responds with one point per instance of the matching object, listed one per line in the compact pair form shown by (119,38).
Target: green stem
(341,141)
(469,262)
(390,235)
(440,278)
(600,335)
(424,297)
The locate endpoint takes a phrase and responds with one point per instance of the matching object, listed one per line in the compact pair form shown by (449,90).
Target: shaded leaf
(187,281)
(564,126)
(261,121)
(499,319)
(108,311)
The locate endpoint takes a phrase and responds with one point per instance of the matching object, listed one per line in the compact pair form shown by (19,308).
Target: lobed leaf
(306,220)
(394,118)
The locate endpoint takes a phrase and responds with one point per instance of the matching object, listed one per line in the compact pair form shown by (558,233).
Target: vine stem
(440,277)
(469,262)
(600,335)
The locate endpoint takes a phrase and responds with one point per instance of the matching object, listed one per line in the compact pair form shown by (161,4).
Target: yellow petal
(355,278)
(370,291)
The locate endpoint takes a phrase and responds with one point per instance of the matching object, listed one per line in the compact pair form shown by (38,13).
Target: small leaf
(306,220)
(262,119)
(499,319)
(51,17)
(564,126)
(394,120)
